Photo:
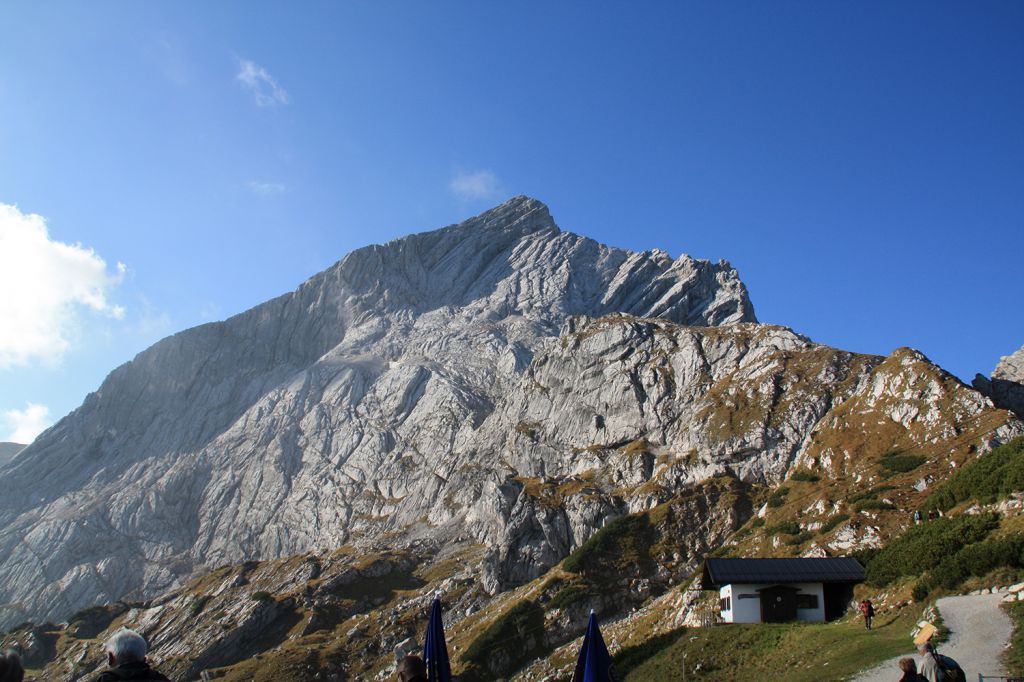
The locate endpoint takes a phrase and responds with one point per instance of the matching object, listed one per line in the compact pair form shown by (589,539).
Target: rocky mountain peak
(330,414)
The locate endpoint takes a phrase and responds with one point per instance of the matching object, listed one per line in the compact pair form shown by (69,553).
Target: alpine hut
(782,590)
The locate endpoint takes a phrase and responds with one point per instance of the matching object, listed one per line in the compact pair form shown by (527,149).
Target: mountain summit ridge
(257,436)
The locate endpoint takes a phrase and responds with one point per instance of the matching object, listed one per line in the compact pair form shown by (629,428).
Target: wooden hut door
(778,604)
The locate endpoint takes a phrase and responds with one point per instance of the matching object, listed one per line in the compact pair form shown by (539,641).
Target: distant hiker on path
(868,611)
(909,669)
(126,657)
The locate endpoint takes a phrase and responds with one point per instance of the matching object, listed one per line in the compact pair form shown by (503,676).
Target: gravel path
(979,631)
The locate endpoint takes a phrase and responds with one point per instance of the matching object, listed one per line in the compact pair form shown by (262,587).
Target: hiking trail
(979,631)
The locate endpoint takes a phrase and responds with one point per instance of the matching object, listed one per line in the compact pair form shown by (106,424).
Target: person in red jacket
(868,611)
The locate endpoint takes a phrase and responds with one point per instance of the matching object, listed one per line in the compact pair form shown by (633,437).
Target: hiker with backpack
(938,668)
(868,610)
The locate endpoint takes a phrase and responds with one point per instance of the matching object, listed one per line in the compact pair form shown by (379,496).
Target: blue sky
(861,164)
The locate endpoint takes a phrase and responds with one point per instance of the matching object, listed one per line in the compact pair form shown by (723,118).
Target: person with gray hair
(11,669)
(126,659)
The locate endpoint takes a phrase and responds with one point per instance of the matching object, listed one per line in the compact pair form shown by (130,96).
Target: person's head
(125,646)
(11,669)
(925,648)
(412,669)
(907,665)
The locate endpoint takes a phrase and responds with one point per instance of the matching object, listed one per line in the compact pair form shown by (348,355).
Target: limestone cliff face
(341,411)
(1006,386)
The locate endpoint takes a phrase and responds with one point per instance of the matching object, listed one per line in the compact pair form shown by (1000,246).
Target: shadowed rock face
(1006,386)
(331,414)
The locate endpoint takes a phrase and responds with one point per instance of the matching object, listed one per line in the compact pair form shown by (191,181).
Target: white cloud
(26,424)
(267,188)
(44,285)
(481,184)
(261,84)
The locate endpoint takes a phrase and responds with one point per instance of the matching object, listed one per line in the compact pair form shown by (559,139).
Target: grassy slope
(794,652)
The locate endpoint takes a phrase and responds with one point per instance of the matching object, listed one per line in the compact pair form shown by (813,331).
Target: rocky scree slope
(667,438)
(335,414)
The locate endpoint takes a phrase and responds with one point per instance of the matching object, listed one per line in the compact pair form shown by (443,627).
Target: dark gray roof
(719,572)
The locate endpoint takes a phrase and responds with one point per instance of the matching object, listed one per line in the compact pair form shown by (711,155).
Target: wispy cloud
(469,186)
(266,188)
(172,61)
(261,84)
(44,286)
(25,425)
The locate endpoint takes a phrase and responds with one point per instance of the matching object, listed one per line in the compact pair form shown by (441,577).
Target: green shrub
(804,476)
(921,591)
(784,528)
(978,559)
(872,493)
(757,523)
(899,463)
(799,538)
(626,538)
(832,522)
(874,504)
(518,634)
(923,547)
(569,595)
(199,604)
(261,595)
(778,497)
(987,479)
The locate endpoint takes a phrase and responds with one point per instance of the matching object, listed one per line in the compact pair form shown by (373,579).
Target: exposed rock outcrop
(1006,386)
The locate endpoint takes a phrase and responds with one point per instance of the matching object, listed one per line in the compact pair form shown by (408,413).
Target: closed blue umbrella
(594,663)
(435,651)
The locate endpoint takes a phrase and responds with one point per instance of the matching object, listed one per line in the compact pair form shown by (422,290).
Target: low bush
(874,504)
(987,479)
(626,538)
(778,497)
(199,604)
(896,463)
(923,547)
(978,559)
(872,493)
(832,522)
(569,595)
(516,637)
(757,523)
(921,591)
(804,476)
(261,595)
(785,528)
(799,538)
